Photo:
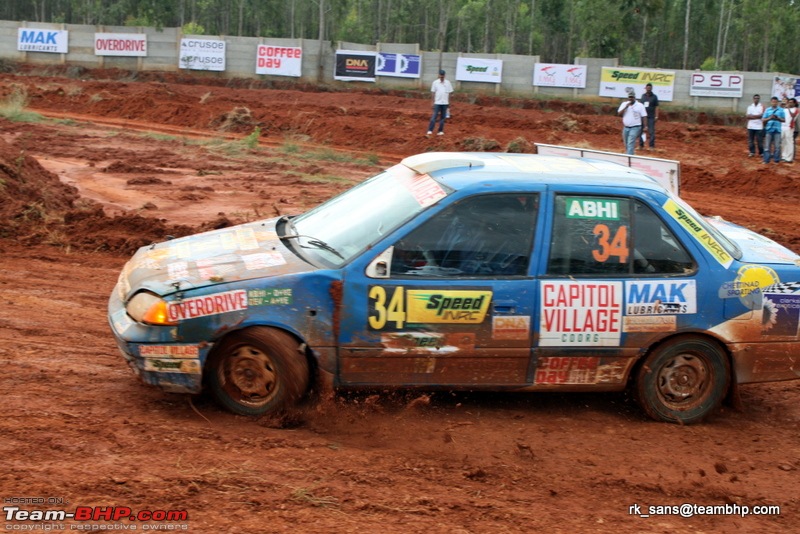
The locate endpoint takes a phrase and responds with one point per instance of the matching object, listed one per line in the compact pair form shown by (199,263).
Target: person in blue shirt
(773,121)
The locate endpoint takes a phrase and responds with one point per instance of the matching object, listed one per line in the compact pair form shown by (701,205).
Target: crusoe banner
(202,54)
(356,66)
(618,81)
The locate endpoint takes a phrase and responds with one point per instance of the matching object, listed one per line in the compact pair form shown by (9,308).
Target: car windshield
(344,226)
(729,246)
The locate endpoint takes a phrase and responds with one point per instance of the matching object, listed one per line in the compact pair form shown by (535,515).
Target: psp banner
(355,66)
(617,82)
(716,84)
(202,54)
(279,60)
(33,40)
(120,44)
(470,69)
(550,75)
(399,65)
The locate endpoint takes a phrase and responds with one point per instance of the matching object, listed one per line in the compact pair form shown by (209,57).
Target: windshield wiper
(313,241)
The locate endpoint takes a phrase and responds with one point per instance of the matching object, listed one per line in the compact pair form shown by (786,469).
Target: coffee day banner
(355,66)
(550,75)
(279,60)
(470,69)
(617,81)
(399,65)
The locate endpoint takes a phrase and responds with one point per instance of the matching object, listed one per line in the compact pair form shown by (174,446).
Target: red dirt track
(127,160)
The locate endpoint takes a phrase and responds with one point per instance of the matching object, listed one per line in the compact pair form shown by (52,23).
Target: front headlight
(146,307)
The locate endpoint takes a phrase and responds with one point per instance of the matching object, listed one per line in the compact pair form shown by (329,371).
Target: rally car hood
(242,252)
(755,247)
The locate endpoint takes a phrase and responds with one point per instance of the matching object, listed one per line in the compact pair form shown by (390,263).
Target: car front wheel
(257,371)
(683,381)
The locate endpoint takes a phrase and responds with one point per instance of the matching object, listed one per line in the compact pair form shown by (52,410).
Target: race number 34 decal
(396,307)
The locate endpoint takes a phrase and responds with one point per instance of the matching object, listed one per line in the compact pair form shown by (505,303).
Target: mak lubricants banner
(34,40)
(355,66)
(470,69)
(202,54)
(550,75)
(399,65)
(279,60)
(120,44)
(618,81)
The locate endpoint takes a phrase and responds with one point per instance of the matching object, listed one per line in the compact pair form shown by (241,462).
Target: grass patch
(13,107)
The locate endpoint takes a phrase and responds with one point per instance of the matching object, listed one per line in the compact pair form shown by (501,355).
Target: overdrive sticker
(581,313)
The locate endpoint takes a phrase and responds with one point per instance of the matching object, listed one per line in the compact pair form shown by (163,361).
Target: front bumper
(154,353)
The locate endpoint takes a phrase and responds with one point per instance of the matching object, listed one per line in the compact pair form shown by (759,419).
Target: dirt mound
(38,208)
(33,198)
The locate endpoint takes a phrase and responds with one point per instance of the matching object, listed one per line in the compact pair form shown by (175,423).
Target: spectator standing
(441,90)
(772,119)
(650,102)
(755,128)
(633,115)
(787,131)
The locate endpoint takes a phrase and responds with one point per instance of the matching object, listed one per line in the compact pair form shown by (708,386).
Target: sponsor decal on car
(698,232)
(581,313)
(269,297)
(169,351)
(189,367)
(566,370)
(400,306)
(214,304)
(781,310)
(511,327)
(660,297)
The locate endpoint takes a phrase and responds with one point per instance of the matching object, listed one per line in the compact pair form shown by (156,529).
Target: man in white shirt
(755,127)
(441,90)
(787,131)
(633,115)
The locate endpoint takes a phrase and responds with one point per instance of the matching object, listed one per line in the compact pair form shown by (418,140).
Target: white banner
(618,81)
(550,75)
(120,44)
(470,69)
(279,60)
(34,40)
(716,84)
(202,54)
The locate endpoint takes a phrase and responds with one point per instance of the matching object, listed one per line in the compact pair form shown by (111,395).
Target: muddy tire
(683,381)
(257,371)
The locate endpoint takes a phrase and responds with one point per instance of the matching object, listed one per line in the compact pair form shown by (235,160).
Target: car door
(617,278)
(449,301)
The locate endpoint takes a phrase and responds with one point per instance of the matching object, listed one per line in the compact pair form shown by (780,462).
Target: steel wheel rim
(683,382)
(249,376)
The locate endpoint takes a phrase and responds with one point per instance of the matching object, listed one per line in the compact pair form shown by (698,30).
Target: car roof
(459,170)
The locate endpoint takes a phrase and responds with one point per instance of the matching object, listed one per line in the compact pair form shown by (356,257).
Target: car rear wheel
(683,381)
(258,371)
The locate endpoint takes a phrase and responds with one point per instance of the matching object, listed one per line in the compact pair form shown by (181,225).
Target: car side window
(612,236)
(485,235)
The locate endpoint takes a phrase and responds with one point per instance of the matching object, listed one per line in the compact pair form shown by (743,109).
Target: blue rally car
(469,271)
